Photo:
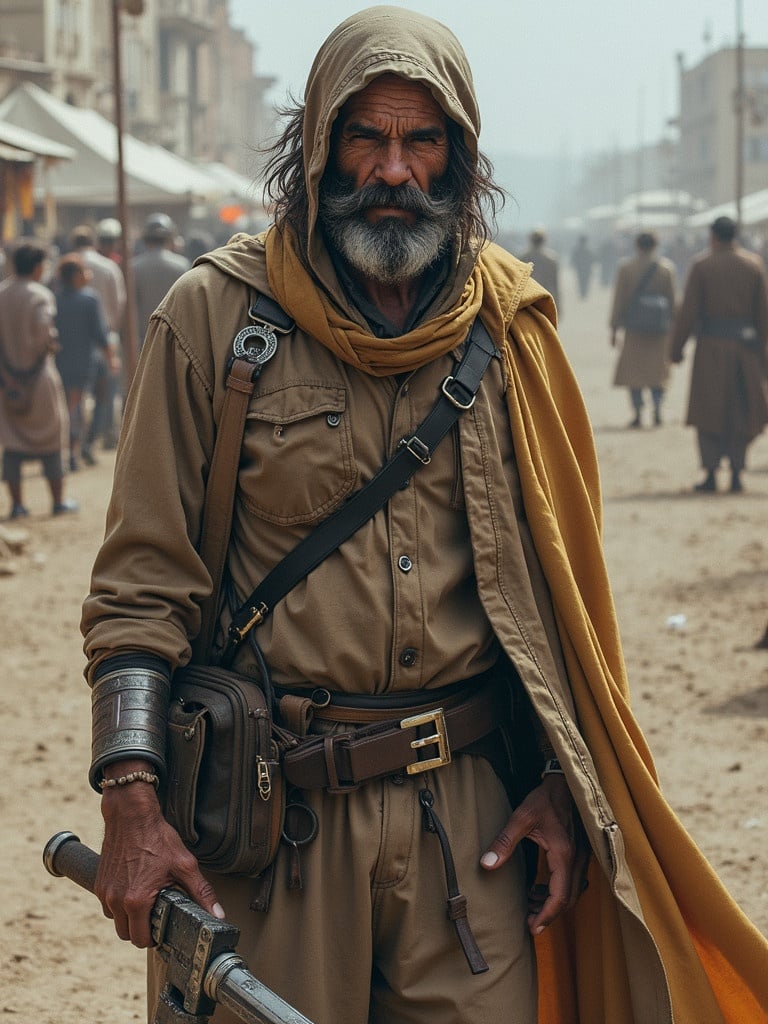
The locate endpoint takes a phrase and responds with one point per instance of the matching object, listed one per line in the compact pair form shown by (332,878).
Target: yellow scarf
(715,960)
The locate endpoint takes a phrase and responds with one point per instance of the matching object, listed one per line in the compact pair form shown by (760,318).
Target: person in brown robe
(725,306)
(33,411)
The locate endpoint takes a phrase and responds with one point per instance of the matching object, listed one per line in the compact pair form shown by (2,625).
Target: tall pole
(739,113)
(129,334)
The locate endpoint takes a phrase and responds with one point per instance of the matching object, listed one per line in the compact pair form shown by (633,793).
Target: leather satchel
(648,312)
(18,386)
(224,794)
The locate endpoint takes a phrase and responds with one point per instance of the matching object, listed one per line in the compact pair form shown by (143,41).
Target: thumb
(202,892)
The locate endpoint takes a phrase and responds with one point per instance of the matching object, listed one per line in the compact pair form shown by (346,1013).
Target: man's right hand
(141,854)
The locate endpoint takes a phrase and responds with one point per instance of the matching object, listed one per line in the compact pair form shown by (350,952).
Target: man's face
(381,201)
(392,133)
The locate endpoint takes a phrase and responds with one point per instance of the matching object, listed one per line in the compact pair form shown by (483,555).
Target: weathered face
(391,133)
(385,203)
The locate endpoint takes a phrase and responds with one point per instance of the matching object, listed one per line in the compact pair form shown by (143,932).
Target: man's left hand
(548,817)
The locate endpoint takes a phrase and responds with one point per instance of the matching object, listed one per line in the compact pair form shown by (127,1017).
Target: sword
(203,967)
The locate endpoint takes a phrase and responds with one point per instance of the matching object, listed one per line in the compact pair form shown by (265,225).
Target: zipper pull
(263,780)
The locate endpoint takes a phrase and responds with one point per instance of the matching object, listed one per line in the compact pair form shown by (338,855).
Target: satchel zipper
(263,780)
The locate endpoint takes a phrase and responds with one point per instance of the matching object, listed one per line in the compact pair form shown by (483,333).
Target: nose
(393,168)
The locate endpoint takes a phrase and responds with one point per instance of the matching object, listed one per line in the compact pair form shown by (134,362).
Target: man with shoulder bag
(643,307)
(34,423)
(414,605)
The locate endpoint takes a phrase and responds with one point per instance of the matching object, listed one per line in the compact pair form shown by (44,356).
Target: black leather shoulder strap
(457,394)
(267,310)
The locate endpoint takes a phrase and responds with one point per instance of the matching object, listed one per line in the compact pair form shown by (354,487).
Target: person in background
(198,242)
(482,581)
(546,265)
(155,268)
(725,306)
(83,336)
(583,260)
(109,231)
(643,361)
(33,410)
(109,284)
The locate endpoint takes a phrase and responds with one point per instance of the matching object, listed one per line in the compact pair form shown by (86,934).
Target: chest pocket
(298,462)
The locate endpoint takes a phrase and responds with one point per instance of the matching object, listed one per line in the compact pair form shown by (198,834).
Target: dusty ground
(700,690)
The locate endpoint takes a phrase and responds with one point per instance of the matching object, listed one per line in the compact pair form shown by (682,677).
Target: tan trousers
(368,938)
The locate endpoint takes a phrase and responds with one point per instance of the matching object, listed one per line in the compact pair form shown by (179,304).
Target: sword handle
(65,856)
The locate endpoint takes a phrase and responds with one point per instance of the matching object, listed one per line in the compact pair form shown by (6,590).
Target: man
(83,337)
(155,268)
(33,409)
(643,361)
(546,266)
(109,284)
(485,569)
(725,305)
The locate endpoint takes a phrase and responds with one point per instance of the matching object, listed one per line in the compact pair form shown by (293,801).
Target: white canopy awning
(754,210)
(153,174)
(20,144)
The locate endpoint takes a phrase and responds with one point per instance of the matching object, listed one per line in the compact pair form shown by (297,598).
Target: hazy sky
(559,77)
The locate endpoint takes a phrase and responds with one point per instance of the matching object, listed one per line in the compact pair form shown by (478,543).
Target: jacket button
(404,563)
(333,419)
(408,656)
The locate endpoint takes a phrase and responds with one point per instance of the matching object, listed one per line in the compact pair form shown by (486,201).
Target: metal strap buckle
(452,398)
(417,448)
(257,617)
(439,737)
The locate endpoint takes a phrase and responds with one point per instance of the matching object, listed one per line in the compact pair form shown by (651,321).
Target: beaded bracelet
(124,780)
(552,767)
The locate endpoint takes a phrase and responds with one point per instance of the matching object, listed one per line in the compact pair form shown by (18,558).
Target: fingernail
(218,911)
(539,930)
(490,859)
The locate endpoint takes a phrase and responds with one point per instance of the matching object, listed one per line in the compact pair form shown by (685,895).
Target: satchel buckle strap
(417,448)
(439,738)
(451,385)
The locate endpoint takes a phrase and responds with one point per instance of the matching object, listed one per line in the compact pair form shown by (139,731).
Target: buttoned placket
(407,611)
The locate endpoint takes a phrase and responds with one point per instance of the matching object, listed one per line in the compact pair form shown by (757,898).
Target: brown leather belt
(415,743)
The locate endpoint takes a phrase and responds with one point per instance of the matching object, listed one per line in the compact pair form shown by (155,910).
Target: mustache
(341,200)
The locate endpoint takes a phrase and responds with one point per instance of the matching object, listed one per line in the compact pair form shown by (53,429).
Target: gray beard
(389,251)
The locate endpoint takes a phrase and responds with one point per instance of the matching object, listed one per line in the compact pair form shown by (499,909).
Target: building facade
(708,164)
(188,76)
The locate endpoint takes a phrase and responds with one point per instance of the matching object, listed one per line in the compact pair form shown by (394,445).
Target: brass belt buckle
(439,737)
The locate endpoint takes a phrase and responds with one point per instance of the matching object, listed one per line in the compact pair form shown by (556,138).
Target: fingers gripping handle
(65,856)
(224,979)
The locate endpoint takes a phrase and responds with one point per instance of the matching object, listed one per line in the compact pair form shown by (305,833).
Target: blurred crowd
(63,342)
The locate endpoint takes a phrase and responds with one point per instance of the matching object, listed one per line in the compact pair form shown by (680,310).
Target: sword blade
(253,1002)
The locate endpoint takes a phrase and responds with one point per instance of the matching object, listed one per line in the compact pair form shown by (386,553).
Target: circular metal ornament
(260,353)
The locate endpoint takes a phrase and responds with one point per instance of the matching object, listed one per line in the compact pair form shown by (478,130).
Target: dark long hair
(480,199)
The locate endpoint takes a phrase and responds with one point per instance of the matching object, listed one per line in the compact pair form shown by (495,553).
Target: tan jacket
(350,622)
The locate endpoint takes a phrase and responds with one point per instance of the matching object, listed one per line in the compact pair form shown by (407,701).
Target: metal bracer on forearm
(130,713)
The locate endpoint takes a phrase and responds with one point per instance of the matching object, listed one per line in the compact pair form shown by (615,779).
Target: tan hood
(374,42)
